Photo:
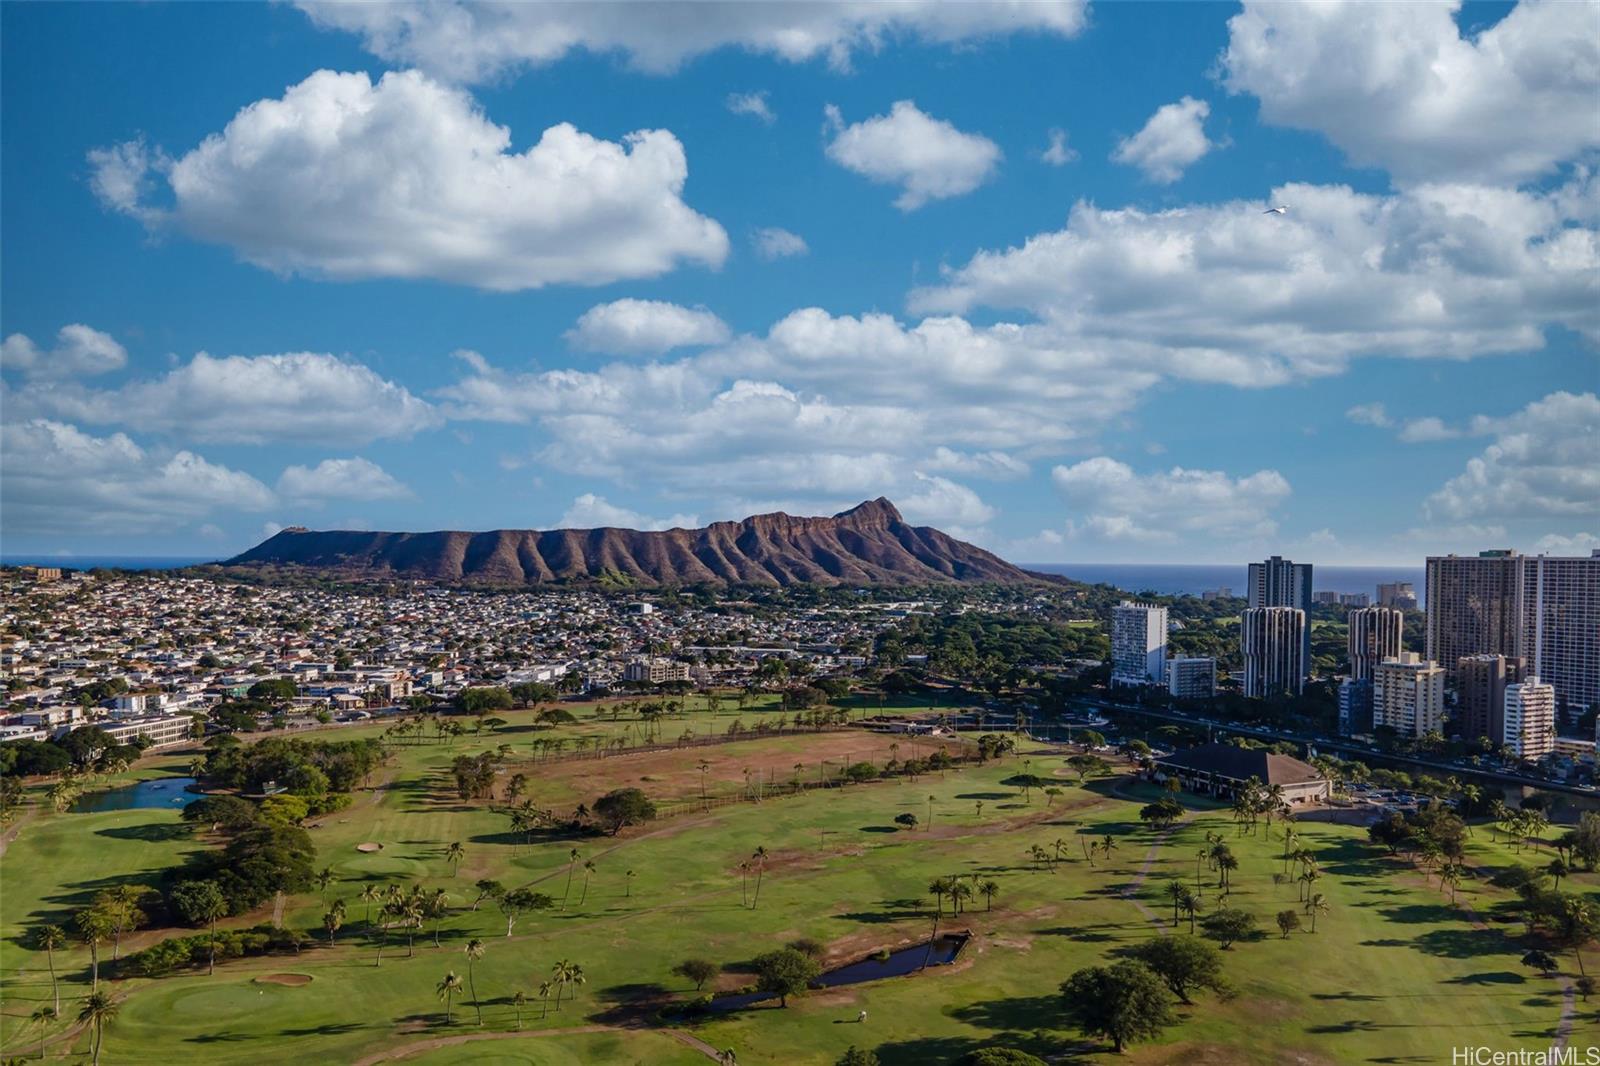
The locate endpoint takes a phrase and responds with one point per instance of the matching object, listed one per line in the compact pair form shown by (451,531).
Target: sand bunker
(293,980)
(369,846)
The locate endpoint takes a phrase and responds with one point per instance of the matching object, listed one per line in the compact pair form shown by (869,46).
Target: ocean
(1173,579)
(110,562)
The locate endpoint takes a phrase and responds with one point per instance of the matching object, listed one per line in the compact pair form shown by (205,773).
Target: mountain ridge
(869,544)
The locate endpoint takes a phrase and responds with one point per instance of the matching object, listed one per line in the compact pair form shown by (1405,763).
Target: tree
(519,999)
(1288,922)
(999,1056)
(697,970)
(98,1011)
(623,807)
(588,872)
(324,878)
(475,951)
(1183,963)
(1315,905)
(333,919)
(1123,1003)
(488,889)
(784,973)
(42,1017)
(453,856)
(1542,961)
(1162,813)
(545,988)
(1584,986)
(51,939)
(908,820)
(201,903)
(1084,765)
(759,857)
(446,989)
(855,1056)
(94,928)
(989,890)
(1228,924)
(517,902)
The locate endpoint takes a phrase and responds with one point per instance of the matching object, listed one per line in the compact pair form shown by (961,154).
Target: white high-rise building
(1273,642)
(1530,719)
(1408,695)
(1375,634)
(1192,679)
(1138,644)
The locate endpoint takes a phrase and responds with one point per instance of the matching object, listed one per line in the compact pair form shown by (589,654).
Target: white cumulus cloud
(773,242)
(341,479)
(1056,153)
(477,41)
(1397,85)
(79,352)
(753,104)
(1172,140)
(55,478)
(1544,461)
(594,512)
(1174,506)
(298,396)
(344,179)
(927,157)
(645,327)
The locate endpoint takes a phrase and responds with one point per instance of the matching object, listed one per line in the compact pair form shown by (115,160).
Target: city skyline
(1000,270)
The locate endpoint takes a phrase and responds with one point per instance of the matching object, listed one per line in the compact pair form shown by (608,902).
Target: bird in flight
(1281,209)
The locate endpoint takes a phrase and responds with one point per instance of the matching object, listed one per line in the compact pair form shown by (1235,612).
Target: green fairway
(1393,970)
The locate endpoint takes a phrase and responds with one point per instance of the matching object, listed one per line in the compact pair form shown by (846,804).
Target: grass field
(1394,973)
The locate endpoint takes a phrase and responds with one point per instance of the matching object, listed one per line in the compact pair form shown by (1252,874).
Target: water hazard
(167,792)
(940,952)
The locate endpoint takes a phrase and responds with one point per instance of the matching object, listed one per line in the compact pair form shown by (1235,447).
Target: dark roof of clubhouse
(1240,764)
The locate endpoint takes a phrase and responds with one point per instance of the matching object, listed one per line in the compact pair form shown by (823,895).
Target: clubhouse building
(1222,769)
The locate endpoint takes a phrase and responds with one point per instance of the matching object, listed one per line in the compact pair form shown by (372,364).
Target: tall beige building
(1375,635)
(1540,608)
(1408,695)
(1530,719)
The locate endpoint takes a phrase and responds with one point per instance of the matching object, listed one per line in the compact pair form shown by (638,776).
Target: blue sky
(1008,266)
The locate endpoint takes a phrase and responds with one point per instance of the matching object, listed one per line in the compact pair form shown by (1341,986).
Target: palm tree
(122,905)
(1317,904)
(1176,890)
(332,920)
(518,1000)
(1557,869)
(702,766)
(475,949)
(453,855)
(544,998)
(1108,844)
(628,883)
(1450,874)
(51,939)
(960,892)
(93,929)
(42,1017)
(1190,906)
(937,888)
(760,859)
(99,1009)
(990,890)
(369,893)
(561,972)
(575,978)
(446,989)
(588,872)
(324,878)
(572,864)
(1226,864)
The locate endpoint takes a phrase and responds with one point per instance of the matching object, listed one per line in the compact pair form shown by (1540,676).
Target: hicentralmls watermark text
(1562,1056)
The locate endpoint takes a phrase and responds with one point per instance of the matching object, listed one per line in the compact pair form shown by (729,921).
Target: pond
(940,952)
(168,792)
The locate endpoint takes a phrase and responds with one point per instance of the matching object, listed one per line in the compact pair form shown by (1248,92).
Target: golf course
(760,840)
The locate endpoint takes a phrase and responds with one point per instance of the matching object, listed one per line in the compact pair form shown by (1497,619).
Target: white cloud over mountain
(407,178)
(593,512)
(339,480)
(927,157)
(477,41)
(1397,85)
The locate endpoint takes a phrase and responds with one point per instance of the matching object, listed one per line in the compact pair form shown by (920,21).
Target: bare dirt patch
(291,980)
